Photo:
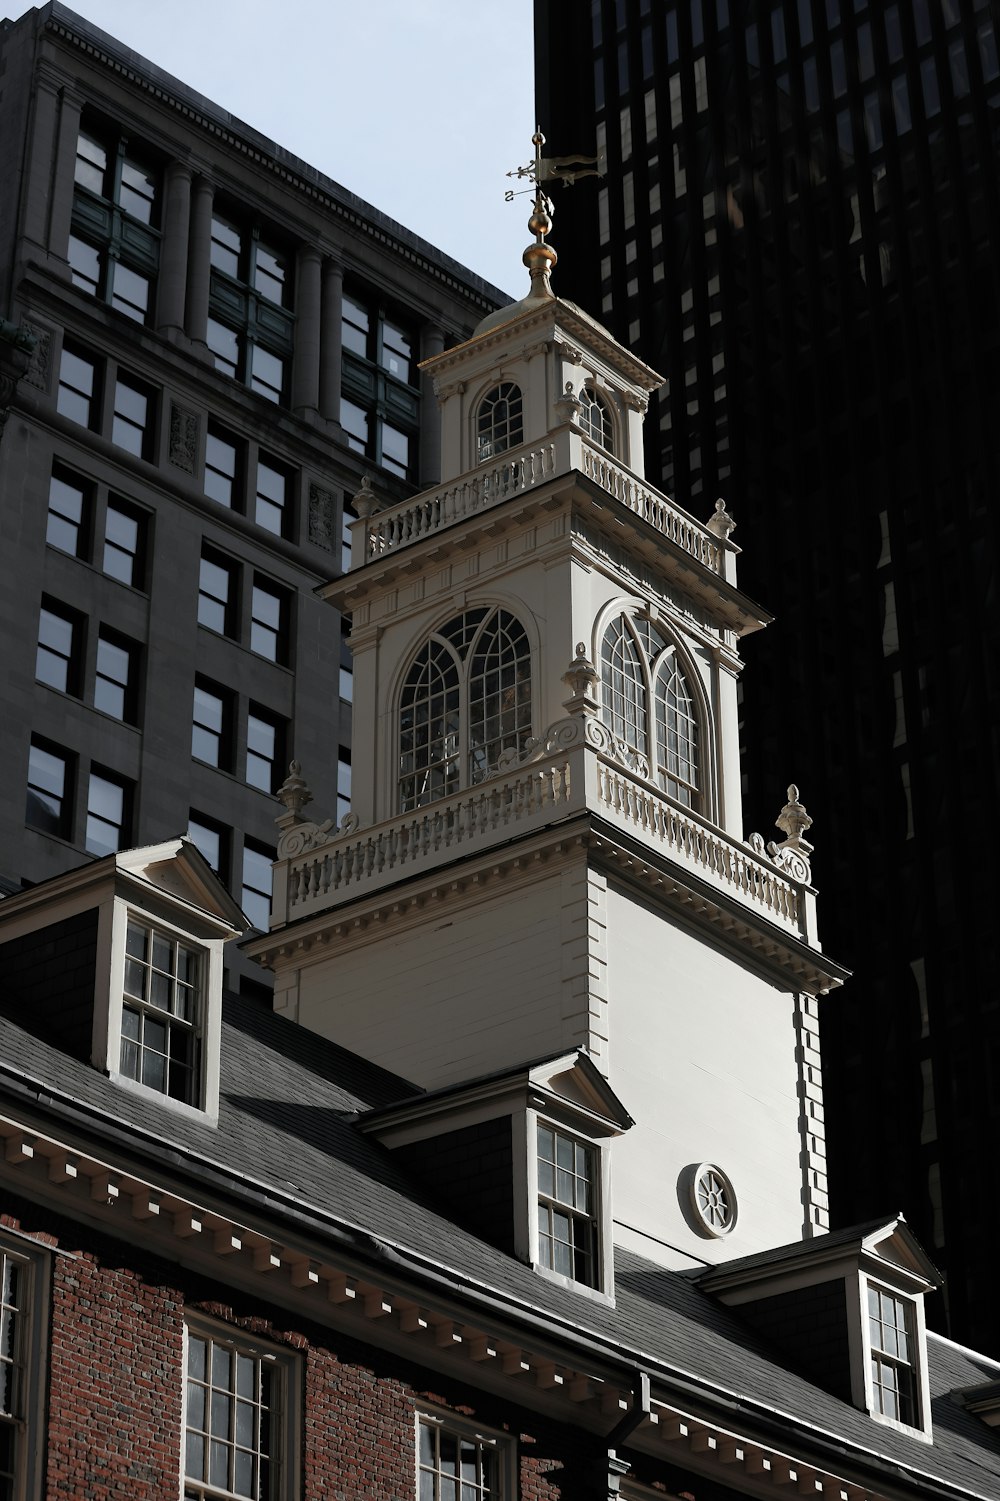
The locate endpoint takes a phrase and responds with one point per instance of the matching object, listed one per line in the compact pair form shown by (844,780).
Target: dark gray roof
(288,1099)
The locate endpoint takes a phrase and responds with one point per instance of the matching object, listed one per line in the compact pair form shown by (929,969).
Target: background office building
(206,346)
(798,227)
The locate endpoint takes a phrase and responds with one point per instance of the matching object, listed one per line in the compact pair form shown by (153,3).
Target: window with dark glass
(640,668)
(60,647)
(380,399)
(250,326)
(217,593)
(21,1323)
(499,421)
(893,1356)
(114,242)
(212,725)
(125,543)
(465,698)
(212,839)
(49,807)
(78,397)
(454,1461)
(161,1013)
(343,783)
(272,508)
(222,467)
(116,681)
(255,897)
(235,1420)
(70,506)
(265,749)
(132,419)
(269,611)
(595,419)
(567,1206)
(108,813)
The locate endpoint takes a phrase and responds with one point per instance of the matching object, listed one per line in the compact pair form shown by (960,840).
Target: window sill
(178,1107)
(595,1294)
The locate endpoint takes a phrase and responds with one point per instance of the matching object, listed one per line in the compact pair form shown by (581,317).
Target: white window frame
(862,1377)
(107,1044)
(31,1359)
(527,1192)
(285,1456)
(502,1445)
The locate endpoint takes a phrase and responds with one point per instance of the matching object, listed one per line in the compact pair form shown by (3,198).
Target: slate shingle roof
(288,1104)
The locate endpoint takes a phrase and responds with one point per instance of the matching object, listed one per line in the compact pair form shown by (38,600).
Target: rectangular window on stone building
(212,839)
(380,400)
(116,680)
(50,789)
(109,812)
(126,539)
(60,647)
(255,899)
(114,244)
(78,397)
(133,417)
(212,725)
(269,613)
(70,510)
(265,749)
(218,590)
(223,453)
(251,326)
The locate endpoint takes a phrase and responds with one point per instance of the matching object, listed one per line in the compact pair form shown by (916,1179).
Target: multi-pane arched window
(499,423)
(595,419)
(648,703)
(466,698)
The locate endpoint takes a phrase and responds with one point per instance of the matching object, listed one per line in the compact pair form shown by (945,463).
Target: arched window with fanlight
(465,699)
(595,419)
(648,704)
(499,421)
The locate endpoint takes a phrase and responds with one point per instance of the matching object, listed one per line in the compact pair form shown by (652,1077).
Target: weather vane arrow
(556,168)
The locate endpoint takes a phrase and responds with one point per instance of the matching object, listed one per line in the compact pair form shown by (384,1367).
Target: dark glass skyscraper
(798,228)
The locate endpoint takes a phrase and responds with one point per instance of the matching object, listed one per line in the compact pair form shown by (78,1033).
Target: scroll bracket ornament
(792,854)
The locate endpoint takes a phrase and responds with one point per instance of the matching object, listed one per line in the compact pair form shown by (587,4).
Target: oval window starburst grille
(713,1199)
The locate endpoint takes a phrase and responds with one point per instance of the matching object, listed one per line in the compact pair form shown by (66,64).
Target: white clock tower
(545,857)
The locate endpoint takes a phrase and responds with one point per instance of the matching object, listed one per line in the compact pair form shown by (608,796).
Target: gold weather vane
(555,168)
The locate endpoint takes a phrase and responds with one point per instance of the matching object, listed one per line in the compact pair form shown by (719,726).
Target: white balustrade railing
(532,796)
(723,861)
(653,508)
(358,863)
(515,474)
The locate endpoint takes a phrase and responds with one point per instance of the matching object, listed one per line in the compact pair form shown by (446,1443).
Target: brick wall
(115,1415)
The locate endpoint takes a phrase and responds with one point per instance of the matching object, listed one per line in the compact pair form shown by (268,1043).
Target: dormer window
(161,1013)
(595,419)
(567,1206)
(499,422)
(893,1356)
(641,667)
(466,698)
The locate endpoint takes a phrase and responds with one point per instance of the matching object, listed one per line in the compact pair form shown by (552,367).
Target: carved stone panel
(183,438)
(322,517)
(39,371)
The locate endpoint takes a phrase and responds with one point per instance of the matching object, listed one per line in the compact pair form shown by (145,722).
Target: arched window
(642,680)
(499,425)
(595,419)
(466,698)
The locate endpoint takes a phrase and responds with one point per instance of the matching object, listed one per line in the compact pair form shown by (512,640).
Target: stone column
(199,259)
(61,209)
(172,281)
(306,362)
(431,343)
(331,345)
(37,193)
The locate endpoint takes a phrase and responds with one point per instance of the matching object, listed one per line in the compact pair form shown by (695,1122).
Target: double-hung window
(60,646)
(114,241)
(116,680)
(567,1206)
(126,530)
(21,1398)
(162,1010)
(70,507)
(78,396)
(250,325)
(50,789)
(380,399)
(109,800)
(258,863)
(133,417)
(893,1355)
(457,1463)
(212,725)
(237,1419)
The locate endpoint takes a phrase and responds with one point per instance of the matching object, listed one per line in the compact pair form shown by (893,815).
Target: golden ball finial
(540,222)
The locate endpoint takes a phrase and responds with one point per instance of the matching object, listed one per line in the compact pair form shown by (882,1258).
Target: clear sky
(418,106)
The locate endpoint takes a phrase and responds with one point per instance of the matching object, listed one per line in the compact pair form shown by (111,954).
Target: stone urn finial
(568,405)
(793,821)
(581,678)
(721,524)
(366,502)
(294,792)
